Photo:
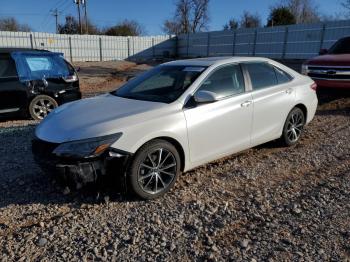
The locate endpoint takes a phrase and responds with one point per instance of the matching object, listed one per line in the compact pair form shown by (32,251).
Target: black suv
(35,82)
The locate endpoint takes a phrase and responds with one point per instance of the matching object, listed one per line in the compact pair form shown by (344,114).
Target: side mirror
(204,97)
(323,51)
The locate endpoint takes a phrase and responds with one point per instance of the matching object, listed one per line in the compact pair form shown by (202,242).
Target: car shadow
(327,95)
(333,102)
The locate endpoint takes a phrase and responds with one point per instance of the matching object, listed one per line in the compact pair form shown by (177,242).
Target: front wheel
(41,106)
(154,169)
(293,127)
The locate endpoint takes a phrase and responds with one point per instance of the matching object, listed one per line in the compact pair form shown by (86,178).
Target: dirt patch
(99,77)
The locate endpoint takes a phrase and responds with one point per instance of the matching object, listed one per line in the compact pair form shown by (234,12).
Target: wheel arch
(175,143)
(303,108)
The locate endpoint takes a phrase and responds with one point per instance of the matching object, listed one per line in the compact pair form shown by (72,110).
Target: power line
(23,14)
(61,3)
(55,13)
(78,2)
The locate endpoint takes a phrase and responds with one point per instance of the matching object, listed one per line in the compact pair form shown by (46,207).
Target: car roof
(16,49)
(209,61)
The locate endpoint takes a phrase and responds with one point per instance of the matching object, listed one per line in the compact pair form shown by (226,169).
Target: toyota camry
(173,118)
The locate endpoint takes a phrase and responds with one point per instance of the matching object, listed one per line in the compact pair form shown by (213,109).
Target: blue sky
(150,13)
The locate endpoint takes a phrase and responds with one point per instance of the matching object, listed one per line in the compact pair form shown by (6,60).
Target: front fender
(173,127)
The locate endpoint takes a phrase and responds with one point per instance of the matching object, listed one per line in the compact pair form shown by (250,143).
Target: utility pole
(77,2)
(86,17)
(55,13)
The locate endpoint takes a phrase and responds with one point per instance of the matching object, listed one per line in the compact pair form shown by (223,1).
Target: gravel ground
(267,203)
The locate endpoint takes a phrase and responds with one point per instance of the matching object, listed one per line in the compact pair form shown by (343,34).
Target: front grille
(329,73)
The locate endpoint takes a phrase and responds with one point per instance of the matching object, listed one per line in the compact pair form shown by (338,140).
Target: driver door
(222,127)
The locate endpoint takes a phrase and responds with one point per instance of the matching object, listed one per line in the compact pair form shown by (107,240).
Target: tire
(150,177)
(293,127)
(41,106)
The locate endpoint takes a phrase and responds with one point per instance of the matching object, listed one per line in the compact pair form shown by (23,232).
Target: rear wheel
(293,127)
(154,169)
(41,106)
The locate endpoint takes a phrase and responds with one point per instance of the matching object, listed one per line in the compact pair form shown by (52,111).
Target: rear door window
(282,77)
(262,75)
(39,63)
(34,65)
(7,66)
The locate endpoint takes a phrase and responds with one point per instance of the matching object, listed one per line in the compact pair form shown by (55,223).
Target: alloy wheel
(295,126)
(42,108)
(157,171)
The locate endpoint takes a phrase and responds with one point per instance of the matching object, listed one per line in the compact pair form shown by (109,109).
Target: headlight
(304,69)
(86,148)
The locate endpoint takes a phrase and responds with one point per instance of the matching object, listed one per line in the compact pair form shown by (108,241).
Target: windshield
(161,84)
(341,47)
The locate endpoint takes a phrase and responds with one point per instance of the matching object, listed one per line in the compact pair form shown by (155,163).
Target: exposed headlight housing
(86,148)
(304,69)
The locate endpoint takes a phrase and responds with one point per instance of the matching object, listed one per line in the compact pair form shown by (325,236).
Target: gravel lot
(267,203)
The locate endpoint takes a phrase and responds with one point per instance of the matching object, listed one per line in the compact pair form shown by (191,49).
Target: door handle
(289,91)
(246,103)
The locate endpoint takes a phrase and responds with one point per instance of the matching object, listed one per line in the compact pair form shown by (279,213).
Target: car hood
(330,60)
(93,117)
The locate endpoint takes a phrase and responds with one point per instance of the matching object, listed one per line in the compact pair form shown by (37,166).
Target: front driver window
(224,82)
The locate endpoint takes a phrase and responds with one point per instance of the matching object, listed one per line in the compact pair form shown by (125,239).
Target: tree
(71,26)
(346,5)
(280,16)
(190,16)
(11,24)
(249,20)
(232,24)
(125,28)
(304,11)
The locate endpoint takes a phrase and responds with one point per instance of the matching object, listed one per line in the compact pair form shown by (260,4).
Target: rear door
(222,127)
(13,94)
(273,98)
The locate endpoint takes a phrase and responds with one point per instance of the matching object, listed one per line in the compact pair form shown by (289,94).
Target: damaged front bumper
(80,171)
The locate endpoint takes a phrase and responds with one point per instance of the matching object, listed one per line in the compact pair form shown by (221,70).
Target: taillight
(314,86)
(71,78)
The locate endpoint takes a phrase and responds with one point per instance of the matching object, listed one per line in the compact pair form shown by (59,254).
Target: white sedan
(173,118)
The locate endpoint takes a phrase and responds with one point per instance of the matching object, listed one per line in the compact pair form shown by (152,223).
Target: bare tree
(249,20)
(280,15)
(346,5)
(11,24)
(190,16)
(125,28)
(71,26)
(304,11)
(232,24)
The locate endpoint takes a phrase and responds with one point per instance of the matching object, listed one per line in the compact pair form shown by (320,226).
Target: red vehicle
(332,67)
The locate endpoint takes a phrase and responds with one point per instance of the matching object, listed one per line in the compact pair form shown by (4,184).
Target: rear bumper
(80,171)
(312,109)
(68,96)
(332,84)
